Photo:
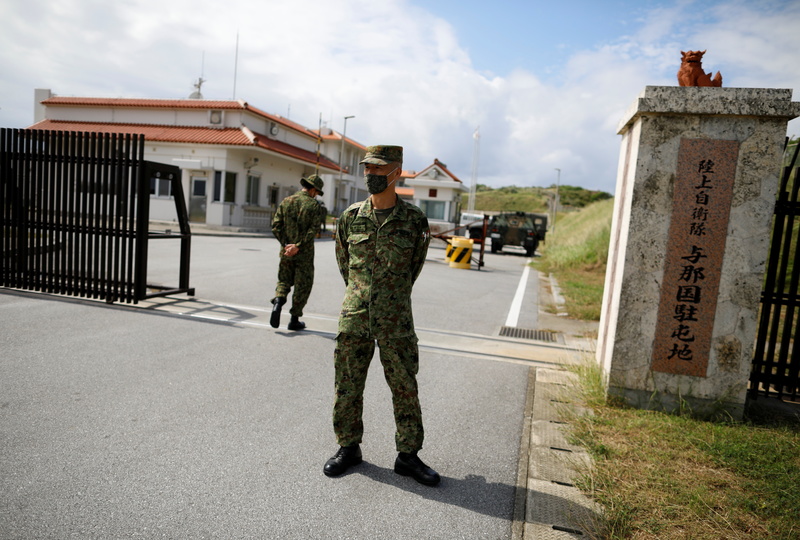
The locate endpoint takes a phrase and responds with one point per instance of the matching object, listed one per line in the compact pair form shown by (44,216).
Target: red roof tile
(445,169)
(196,135)
(441,165)
(336,136)
(191,135)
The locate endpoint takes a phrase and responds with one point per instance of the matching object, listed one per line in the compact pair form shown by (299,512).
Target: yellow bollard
(448,249)
(461,255)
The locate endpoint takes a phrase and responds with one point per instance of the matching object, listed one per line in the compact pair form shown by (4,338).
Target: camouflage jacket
(379,265)
(297,222)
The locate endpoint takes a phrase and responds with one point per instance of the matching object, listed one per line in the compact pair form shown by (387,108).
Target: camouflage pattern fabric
(379,264)
(296,221)
(383,154)
(400,359)
(297,272)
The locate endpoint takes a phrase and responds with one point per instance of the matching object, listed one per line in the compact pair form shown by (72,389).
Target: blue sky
(547,82)
(539,36)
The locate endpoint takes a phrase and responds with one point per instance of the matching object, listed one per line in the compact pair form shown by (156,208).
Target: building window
(217,186)
(432,193)
(160,187)
(251,197)
(198,187)
(224,191)
(230,187)
(273,196)
(433,209)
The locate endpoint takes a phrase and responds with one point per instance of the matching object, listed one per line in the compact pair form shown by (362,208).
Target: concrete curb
(547,504)
(558,300)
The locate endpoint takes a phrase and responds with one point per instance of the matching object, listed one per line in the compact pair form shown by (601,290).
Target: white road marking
(516,304)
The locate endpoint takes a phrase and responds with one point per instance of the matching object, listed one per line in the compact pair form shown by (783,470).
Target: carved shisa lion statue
(691,72)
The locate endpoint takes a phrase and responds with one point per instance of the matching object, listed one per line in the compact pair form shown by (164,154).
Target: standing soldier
(381,245)
(295,225)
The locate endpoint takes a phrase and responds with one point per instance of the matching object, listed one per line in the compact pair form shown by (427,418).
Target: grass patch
(576,254)
(583,292)
(667,476)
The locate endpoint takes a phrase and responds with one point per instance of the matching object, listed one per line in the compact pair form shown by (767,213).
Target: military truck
(517,229)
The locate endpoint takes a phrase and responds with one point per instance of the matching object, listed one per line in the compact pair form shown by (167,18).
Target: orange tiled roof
(209,104)
(442,166)
(445,169)
(151,132)
(192,135)
(336,136)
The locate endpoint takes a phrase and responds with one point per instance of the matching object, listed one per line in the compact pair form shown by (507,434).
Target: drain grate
(527,333)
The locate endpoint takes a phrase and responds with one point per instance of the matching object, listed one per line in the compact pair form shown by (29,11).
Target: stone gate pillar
(693,205)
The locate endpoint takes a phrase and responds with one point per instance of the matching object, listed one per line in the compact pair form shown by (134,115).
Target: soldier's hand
(291,250)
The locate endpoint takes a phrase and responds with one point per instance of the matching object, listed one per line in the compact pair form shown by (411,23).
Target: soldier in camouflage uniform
(381,245)
(295,225)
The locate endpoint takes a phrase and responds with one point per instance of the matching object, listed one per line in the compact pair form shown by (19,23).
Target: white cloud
(400,70)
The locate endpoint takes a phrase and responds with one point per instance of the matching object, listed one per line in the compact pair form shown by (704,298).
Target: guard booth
(75,215)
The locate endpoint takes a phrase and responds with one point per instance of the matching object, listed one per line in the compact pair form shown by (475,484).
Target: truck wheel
(496,246)
(531,250)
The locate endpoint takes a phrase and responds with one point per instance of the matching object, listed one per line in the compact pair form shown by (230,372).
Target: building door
(197,200)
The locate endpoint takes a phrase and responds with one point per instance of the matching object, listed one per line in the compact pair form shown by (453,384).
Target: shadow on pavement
(472,493)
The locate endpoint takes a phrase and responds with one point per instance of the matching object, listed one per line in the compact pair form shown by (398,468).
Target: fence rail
(75,211)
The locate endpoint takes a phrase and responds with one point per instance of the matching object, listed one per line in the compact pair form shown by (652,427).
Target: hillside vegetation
(531,199)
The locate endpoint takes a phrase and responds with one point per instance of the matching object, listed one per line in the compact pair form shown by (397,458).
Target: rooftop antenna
(197,94)
(235,65)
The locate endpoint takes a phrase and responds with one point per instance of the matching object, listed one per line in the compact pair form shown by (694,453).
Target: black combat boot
(277,304)
(295,324)
(343,459)
(408,464)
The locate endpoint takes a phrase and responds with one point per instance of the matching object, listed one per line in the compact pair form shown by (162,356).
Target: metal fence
(776,362)
(75,212)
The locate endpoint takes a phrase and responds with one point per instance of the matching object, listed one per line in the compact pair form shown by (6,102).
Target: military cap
(383,155)
(313,181)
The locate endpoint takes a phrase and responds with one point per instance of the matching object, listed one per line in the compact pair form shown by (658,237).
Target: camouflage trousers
(400,359)
(297,272)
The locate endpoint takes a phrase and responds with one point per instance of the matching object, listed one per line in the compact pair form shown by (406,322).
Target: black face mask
(377,183)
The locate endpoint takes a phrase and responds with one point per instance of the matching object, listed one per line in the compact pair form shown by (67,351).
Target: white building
(237,161)
(437,191)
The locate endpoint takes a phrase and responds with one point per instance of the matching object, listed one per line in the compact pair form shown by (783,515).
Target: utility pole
(337,193)
(474,186)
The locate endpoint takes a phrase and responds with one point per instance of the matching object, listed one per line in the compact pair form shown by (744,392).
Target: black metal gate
(75,213)
(776,362)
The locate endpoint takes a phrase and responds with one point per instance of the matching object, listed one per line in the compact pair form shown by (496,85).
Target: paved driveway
(191,418)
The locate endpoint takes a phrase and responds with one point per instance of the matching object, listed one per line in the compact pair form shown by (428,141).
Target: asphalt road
(162,421)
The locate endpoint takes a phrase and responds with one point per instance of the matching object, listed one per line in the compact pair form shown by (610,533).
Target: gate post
(693,205)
